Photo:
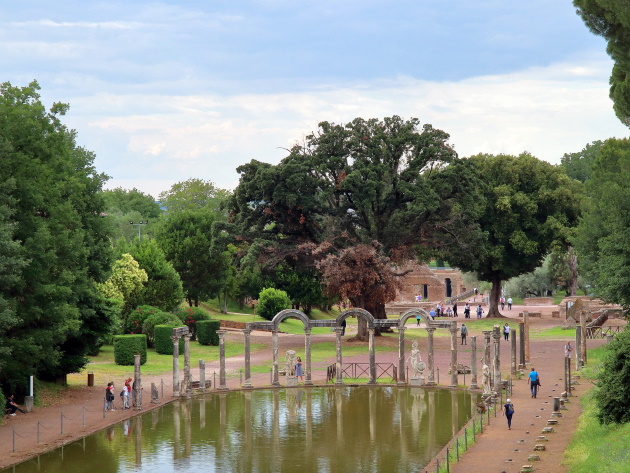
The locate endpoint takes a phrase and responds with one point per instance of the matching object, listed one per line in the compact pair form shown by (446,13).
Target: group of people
(125,395)
(502,302)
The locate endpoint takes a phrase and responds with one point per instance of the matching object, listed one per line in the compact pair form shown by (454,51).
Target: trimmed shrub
(271,301)
(135,320)
(190,317)
(162,339)
(160,318)
(126,346)
(207,332)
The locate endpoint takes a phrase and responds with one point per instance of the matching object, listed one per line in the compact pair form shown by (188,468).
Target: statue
(486,378)
(415,359)
(290,363)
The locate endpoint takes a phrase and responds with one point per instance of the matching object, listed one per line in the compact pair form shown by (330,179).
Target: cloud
(547,111)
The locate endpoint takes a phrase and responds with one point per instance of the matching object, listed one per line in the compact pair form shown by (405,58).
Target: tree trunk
(493,303)
(362,332)
(572,260)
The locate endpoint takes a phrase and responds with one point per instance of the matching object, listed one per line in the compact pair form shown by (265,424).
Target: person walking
(464,333)
(509,301)
(299,373)
(437,310)
(467,311)
(506,332)
(479,311)
(418,320)
(109,397)
(343,327)
(534,382)
(568,349)
(126,393)
(502,301)
(508,411)
(455,310)
(12,406)
(432,314)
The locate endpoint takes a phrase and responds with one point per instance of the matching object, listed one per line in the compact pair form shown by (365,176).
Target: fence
(362,370)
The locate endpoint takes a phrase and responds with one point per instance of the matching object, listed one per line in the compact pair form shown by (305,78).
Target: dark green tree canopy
(528,206)
(611,20)
(578,165)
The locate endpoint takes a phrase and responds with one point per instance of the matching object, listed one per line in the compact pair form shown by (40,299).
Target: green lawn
(596,447)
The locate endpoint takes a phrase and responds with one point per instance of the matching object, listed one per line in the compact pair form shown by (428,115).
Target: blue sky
(165,91)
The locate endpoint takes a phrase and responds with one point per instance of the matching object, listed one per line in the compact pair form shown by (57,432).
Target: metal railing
(362,370)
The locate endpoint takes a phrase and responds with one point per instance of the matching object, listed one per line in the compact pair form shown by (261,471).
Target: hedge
(162,339)
(161,318)
(126,346)
(207,332)
(190,317)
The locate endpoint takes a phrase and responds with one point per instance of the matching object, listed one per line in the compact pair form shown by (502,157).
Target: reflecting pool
(348,429)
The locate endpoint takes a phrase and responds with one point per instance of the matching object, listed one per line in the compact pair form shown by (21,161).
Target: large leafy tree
(186,238)
(56,219)
(385,181)
(611,20)
(193,195)
(124,206)
(602,236)
(529,206)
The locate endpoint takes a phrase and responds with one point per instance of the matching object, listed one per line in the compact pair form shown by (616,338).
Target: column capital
(175,338)
(430,329)
(307,330)
(221,333)
(246,331)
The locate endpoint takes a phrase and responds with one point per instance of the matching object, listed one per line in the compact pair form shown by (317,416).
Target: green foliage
(164,286)
(611,19)
(193,195)
(127,346)
(207,332)
(271,301)
(162,339)
(529,206)
(602,236)
(125,283)
(190,317)
(134,322)
(578,165)
(159,318)
(124,206)
(186,239)
(613,393)
(50,195)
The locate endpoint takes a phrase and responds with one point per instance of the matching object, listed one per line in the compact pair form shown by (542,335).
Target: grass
(553,333)
(596,447)
(105,369)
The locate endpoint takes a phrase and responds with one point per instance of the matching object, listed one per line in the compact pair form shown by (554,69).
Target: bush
(271,301)
(190,317)
(126,346)
(162,339)
(135,320)
(3,402)
(613,388)
(159,318)
(207,332)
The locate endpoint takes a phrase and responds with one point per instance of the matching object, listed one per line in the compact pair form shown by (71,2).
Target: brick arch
(287,313)
(406,315)
(369,318)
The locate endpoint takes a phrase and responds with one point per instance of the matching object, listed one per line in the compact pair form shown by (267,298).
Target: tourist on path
(125,394)
(506,332)
(12,406)
(437,310)
(432,314)
(455,310)
(467,311)
(509,301)
(109,397)
(418,320)
(464,333)
(567,350)
(508,411)
(298,369)
(343,327)
(534,382)
(502,301)
(479,311)
(449,312)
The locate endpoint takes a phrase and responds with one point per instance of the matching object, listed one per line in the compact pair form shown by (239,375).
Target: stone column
(175,340)
(526,325)
(486,347)
(248,367)
(521,345)
(274,343)
(222,385)
(185,389)
(497,358)
(372,356)
(582,347)
(202,375)
(453,330)
(339,357)
(473,362)
(137,383)
(513,357)
(401,355)
(431,364)
(308,379)
(578,344)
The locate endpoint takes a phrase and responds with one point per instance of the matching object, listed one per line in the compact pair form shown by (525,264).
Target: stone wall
(538,301)
(420,276)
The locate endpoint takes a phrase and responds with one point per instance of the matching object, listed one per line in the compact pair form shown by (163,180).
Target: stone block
(555,314)
(547,430)
(533,458)
(527,468)
(539,447)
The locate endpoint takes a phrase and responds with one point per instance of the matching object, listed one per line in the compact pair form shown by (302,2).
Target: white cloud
(547,111)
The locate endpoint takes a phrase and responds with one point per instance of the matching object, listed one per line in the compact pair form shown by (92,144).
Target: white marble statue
(485,380)
(415,359)
(290,363)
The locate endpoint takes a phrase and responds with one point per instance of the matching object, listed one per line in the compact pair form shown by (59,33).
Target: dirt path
(80,412)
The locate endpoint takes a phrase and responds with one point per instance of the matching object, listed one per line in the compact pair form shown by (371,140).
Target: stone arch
(369,318)
(406,315)
(285,314)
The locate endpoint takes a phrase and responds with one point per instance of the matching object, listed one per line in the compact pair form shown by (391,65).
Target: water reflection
(318,429)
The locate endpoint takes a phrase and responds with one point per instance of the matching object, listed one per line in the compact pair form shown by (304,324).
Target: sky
(166,91)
